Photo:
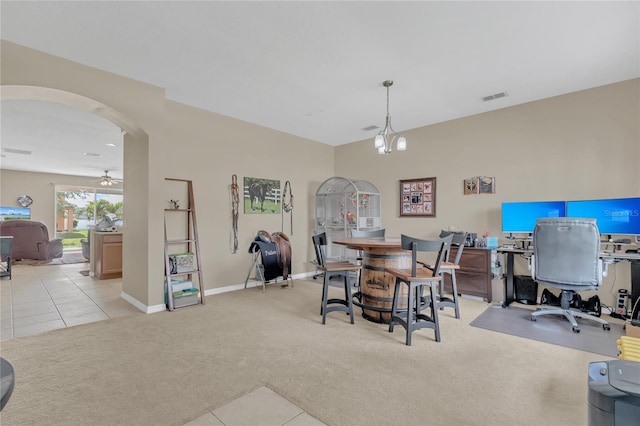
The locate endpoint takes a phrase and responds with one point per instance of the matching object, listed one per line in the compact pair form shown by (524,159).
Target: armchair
(31,240)
(6,245)
(566,255)
(86,246)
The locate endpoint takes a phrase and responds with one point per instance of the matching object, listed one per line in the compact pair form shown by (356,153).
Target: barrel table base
(376,286)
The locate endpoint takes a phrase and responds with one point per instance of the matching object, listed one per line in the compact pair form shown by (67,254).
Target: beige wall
(580,145)
(143,106)
(187,143)
(41,188)
(208,149)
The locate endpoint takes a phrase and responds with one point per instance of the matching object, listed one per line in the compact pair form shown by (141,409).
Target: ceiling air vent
(16,151)
(370,128)
(494,96)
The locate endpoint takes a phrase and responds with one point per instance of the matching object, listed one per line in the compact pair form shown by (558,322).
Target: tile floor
(261,407)
(41,298)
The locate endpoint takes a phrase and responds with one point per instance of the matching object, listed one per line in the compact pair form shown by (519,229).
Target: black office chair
(566,255)
(416,278)
(332,269)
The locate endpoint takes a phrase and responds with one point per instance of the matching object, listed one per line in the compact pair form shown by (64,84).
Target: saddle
(283,250)
(276,253)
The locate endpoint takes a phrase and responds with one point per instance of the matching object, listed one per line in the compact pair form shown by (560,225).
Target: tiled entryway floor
(41,298)
(261,407)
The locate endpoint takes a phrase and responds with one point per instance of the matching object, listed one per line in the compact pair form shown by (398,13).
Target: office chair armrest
(532,268)
(603,269)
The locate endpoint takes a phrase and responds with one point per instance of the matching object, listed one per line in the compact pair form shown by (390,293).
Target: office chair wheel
(575,329)
(606,327)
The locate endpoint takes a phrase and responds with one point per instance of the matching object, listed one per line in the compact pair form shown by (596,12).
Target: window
(79,208)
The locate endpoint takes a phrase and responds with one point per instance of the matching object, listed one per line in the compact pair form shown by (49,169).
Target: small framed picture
(418,197)
(471,186)
(487,185)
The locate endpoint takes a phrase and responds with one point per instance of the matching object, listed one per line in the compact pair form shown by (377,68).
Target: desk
(610,258)
(376,287)
(474,276)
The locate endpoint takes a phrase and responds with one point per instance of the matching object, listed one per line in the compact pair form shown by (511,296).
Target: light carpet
(171,367)
(552,329)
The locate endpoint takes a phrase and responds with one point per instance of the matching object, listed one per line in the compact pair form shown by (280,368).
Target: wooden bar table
(376,286)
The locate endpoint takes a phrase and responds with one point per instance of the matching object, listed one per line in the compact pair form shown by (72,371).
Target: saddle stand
(265,262)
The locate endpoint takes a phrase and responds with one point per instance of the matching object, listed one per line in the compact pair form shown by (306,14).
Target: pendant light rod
(384,140)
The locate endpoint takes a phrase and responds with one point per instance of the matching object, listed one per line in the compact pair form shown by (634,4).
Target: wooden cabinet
(474,276)
(108,255)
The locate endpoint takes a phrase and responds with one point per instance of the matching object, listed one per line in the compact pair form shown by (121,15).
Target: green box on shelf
(187,300)
(180,288)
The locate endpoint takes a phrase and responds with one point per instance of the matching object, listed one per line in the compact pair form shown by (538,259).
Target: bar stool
(332,269)
(450,268)
(416,279)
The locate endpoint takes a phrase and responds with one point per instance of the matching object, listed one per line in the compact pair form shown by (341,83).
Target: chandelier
(387,136)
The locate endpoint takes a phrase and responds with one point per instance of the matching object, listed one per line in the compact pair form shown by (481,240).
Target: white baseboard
(209,292)
(141,306)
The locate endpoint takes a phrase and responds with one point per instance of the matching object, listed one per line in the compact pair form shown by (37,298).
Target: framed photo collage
(418,197)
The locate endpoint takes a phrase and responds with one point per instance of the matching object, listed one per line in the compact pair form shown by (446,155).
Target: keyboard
(625,256)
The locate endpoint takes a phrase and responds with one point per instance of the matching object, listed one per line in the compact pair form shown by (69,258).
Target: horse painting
(258,192)
(261,196)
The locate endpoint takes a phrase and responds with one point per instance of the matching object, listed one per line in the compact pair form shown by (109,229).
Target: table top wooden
(369,243)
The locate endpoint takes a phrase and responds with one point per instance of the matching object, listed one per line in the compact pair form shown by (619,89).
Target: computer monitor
(520,217)
(9,213)
(615,216)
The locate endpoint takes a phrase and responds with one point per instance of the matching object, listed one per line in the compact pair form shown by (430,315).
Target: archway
(136,142)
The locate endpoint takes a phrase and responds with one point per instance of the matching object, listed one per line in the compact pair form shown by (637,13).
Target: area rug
(551,329)
(66,259)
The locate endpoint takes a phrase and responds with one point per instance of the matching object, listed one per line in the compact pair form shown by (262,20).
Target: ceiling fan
(107,180)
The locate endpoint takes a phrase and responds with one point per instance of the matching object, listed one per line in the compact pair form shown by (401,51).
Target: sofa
(31,240)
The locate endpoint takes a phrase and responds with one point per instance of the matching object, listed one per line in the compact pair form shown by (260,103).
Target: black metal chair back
(319,244)
(439,246)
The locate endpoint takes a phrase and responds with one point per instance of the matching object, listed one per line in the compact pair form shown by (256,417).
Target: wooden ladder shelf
(190,240)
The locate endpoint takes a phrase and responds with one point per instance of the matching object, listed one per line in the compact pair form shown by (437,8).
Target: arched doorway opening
(136,146)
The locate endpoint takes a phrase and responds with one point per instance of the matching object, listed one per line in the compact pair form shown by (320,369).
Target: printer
(614,393)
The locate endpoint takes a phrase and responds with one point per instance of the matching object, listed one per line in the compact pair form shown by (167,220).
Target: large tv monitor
(9,213)
(615,216)
(520,217)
